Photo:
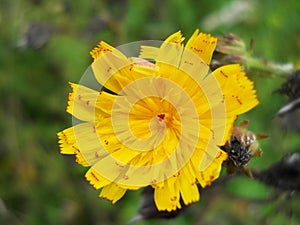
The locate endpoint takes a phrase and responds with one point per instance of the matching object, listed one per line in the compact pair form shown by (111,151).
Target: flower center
(165,118)
(152,115)
(161,116)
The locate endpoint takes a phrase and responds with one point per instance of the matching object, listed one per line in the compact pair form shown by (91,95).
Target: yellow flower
(163,125)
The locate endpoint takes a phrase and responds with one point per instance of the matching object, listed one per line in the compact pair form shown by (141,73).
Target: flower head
(164,122)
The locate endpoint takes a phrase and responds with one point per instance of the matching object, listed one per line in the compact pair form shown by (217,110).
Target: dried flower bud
(242,146)
(291,87)
(230,44)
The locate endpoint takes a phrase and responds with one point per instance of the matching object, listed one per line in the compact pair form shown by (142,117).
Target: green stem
(268,68)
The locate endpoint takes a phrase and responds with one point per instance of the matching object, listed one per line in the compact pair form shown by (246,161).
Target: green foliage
(40,186)
(247,188)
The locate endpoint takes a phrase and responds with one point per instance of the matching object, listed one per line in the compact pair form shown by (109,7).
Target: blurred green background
(45,44)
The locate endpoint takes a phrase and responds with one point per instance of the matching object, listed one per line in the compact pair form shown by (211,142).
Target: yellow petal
(114,70)
(188,190)
(84,141)
(211,152)
(95,179)
(104,103)
(100,50)
(67,141)
(149,52)
(169,52)
(167,196)
(194,65)
(112,192)
(238,90)
(175,38)
(203,45)
(81,102)
(68,145)
(212,172)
